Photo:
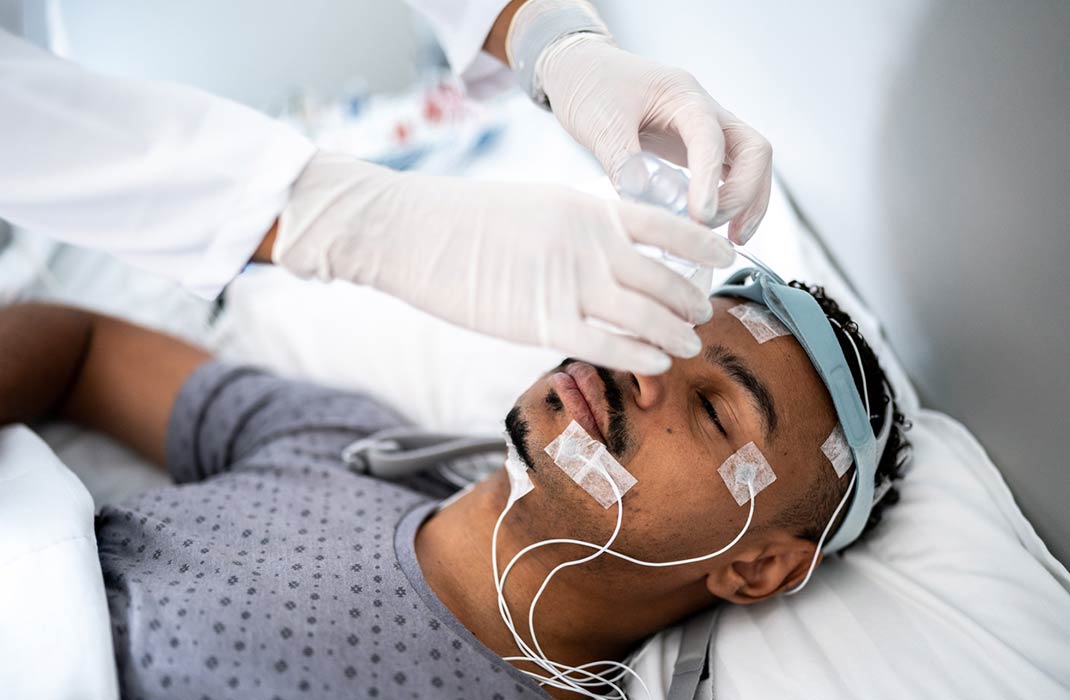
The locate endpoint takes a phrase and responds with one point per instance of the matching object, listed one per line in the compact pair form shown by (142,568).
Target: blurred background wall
(259,52)
(927,143)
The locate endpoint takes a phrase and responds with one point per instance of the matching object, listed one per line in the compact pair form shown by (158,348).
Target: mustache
(618,437)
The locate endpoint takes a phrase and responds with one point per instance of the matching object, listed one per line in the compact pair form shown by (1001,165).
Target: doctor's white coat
(166,177)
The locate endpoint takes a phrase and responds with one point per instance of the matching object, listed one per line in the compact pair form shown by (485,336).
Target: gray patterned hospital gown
(270,571)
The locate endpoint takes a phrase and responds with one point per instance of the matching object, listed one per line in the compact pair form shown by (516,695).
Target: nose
(650,390)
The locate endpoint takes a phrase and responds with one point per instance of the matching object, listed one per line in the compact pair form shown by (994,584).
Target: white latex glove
(525,262)
(616,104)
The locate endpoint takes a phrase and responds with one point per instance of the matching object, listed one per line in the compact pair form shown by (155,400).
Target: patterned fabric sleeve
(227,417)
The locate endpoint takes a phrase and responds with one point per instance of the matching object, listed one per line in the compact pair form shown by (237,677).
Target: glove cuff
(537,25)
(326,230)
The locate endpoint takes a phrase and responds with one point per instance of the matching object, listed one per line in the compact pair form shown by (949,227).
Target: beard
(518,430)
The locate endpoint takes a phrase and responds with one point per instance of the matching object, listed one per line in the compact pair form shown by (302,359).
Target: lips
(582,393)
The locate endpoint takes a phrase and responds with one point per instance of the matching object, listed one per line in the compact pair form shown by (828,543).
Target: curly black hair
(810,516)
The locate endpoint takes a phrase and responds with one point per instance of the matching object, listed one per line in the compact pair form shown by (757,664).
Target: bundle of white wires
(602,680)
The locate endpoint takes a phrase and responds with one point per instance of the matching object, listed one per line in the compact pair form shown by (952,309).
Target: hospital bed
(955,595)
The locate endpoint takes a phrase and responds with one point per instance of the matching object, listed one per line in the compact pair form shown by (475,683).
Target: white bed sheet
(55,638)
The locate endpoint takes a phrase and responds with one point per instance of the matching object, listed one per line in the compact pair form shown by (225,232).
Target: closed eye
(712,412)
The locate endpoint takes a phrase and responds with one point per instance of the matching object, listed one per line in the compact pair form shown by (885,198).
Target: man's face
(672,432)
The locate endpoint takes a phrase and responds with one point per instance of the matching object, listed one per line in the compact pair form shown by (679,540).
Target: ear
(763,570)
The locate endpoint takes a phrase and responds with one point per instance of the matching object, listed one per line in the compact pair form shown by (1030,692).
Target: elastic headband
(803,316)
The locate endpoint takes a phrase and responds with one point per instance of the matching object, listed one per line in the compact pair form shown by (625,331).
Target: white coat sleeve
(165,177)
(461,27)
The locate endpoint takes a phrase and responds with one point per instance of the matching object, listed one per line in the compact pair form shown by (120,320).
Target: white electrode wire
(540,659)
(750,488)
(821,542)
(854,474)
(746,526)
(605,549)
(750,256)
(594,679)
(624,668)
(641,562)
(559,680)
(861,369)
(565,680)
(503,610)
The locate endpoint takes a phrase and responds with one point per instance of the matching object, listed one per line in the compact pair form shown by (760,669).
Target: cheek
(669,455)
(680,506)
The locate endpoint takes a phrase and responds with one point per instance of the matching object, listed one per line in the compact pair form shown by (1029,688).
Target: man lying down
(270,570)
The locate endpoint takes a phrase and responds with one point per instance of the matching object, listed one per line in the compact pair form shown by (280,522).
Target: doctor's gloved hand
(615,104)
(528,263)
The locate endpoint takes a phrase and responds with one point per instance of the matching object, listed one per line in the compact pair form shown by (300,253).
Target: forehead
(803,405)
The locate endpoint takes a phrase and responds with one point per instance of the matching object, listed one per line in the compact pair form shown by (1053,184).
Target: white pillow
(953,596)
(55,634)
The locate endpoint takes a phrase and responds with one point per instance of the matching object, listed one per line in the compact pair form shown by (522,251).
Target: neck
(575,622)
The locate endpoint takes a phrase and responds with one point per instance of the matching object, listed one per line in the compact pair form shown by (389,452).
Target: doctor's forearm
(495,43)
(262,254)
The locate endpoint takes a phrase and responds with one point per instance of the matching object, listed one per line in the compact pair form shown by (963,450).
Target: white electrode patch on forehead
(760,321)
(747,462)
(587,462)
(838,451)
(519,479)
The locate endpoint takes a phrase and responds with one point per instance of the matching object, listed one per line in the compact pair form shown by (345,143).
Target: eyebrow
(737,370)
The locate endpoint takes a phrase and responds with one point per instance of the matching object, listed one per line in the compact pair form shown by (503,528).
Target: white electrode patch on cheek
(836,449)
(587,462)
(746,463)
(760,321)
(519,479)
